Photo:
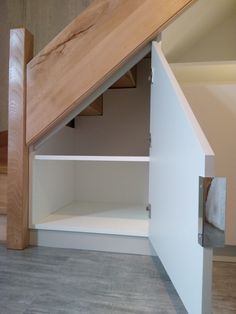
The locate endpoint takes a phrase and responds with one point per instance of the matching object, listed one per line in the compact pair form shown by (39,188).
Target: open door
(179,154)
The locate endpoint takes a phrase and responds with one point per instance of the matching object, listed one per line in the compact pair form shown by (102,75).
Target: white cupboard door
(179,154)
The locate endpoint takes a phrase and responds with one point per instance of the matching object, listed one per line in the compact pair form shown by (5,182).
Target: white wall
(124,127)
(203,32)
(112,182)
(61,143)
(53,186)
(218,44)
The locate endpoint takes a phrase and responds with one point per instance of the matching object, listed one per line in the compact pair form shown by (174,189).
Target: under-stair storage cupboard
(94,178)
(127,178)
(118,180)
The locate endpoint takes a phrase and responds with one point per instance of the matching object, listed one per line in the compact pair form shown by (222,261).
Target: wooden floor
(224,288)
(56,281)
(63,281)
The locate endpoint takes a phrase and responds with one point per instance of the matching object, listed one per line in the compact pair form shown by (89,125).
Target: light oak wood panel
(45,19)
(86,53)
(3,151)
(3,193)
(128,80)
(224,288)
(95,109)
(21,44)
(11,15)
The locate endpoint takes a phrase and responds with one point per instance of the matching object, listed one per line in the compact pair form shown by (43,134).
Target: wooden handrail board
(86,53)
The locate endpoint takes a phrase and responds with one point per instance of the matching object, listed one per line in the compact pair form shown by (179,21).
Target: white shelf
(103,218)
(93,158)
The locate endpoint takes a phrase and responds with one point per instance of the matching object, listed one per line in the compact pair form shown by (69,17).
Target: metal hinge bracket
(149,209)
(150,140)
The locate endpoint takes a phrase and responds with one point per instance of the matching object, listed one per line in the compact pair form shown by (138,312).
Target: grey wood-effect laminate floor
(56,281)
(224,288)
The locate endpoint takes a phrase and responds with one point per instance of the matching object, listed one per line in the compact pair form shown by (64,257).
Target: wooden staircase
(86,54)
(73,70)
(126,81)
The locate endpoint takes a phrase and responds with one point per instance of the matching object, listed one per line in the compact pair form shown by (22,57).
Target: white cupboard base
(92,241)
(104,218)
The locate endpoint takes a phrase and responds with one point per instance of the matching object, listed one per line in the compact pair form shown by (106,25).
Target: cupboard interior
(100,185)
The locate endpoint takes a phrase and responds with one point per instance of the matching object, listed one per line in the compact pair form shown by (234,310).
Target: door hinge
(151,76)
(149,209)
(150,140)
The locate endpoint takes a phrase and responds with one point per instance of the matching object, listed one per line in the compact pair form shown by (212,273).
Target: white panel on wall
(53,187)
(124,127)
(61,143)
(114,182)
(179,154)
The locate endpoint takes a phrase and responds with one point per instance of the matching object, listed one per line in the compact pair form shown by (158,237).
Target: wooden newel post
(21,52)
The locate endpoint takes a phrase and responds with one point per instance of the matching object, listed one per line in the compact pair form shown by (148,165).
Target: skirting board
(90,241)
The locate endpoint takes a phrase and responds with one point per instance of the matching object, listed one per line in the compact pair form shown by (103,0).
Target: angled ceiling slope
(202,18)
(87,53)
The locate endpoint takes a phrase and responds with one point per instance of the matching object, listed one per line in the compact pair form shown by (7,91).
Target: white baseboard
(92,241)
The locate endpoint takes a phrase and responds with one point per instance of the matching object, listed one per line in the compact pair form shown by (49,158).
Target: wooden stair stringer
(85,56)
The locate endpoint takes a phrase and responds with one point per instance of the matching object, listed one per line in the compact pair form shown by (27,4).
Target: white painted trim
(89,241)
(93,158)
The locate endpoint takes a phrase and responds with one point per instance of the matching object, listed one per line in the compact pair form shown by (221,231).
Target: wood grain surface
(224,288)
(21,44)
(3,151)
(86,53)
(95,109)
(126,81)
(3,171)
(3,193)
